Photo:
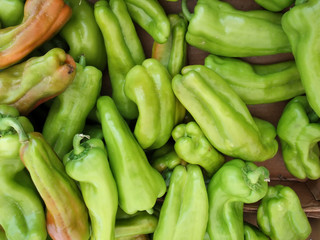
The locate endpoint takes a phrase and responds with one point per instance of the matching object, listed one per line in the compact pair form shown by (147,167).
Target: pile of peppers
(101,141)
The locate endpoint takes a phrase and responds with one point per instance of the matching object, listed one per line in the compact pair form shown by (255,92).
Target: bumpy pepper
(235,183)
(83,35)
(139,185)
(299,132)
(28,84)
(124,49)
(193,147)
(222,116)
(88,164)
(36,28)
(184,213)
(219,28)
(149,86)
(11,12)
(274,5)
(256,84)
(300,24)
(253,233)
(280,215)
(69,110)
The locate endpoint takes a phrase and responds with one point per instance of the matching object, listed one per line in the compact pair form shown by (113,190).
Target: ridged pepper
(36,28)
(300,24)
(274,5)
(222,116)
(150,15)
(139,185)
(253,233)
(83,35)
(184,213)
(88,164)
(69,110)
(28,84)
(218,28)
(11,12)
(280,215)
(193,147)
(235,183)
(149,86)
(256,84)
(124,49)
(299,132)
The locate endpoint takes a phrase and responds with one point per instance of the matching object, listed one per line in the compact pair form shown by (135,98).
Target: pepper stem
(8,122)
(82,60)
(185,10)
(298,2)
(77,148)
(254,176)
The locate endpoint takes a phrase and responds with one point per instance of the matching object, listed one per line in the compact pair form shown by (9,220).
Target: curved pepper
(280,215)
(235,183)
(28,84)
(253,233)
(139,185)
(88,164)
(83,35)
(219,28)
(11,12)
(256,84)
(274,5)
(69,110)
(222,116)
(184,213)
(193,147)
(299,136)
(299,23)
(149,86)
(36,27)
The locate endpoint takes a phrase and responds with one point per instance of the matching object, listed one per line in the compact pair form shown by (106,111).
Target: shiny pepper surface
(274,5)
(11,12)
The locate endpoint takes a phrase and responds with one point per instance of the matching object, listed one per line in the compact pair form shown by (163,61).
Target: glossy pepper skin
(83,35)
(69,110)
(192,146)
(36,28)
(258,84)
(88,164)
(235,183)
(139,185)
(184,213)
(219,28)
(149,87)
(280,215)
(11,12)
(28,84)
(222,116)
(299,132)
(124,49)
(299,23)
(274,5)
(253,233)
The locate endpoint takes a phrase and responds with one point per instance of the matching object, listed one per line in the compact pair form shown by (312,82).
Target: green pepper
(299,132)
(69,110)
(235,183)
(184,213)
(253,233)
(11,12)
(280,215)
(88,164)
(123,47)
(149,86)
(300,24)
(139,185)
(256,84)
(222,116)
(93,130)
(274,5)
(219,28)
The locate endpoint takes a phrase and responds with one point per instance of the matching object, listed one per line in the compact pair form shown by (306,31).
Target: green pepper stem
(254,176)
(298,2)
(82,60)
(77,148)
(185,10)
(7,122)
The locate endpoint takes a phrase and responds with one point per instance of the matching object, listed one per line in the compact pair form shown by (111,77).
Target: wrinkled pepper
(83,35)
(280,215)
(69,110)
(184,213)
(139,185)
(124,49)
(299,132)
(218,28)
(253,233)
(192,146)
(11,12)
(149,87)
(300,24)
(22,214)
(36,28)
(235,183)
(222,116)
(274,5)
(88,164)
(257,84)
(28,84)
